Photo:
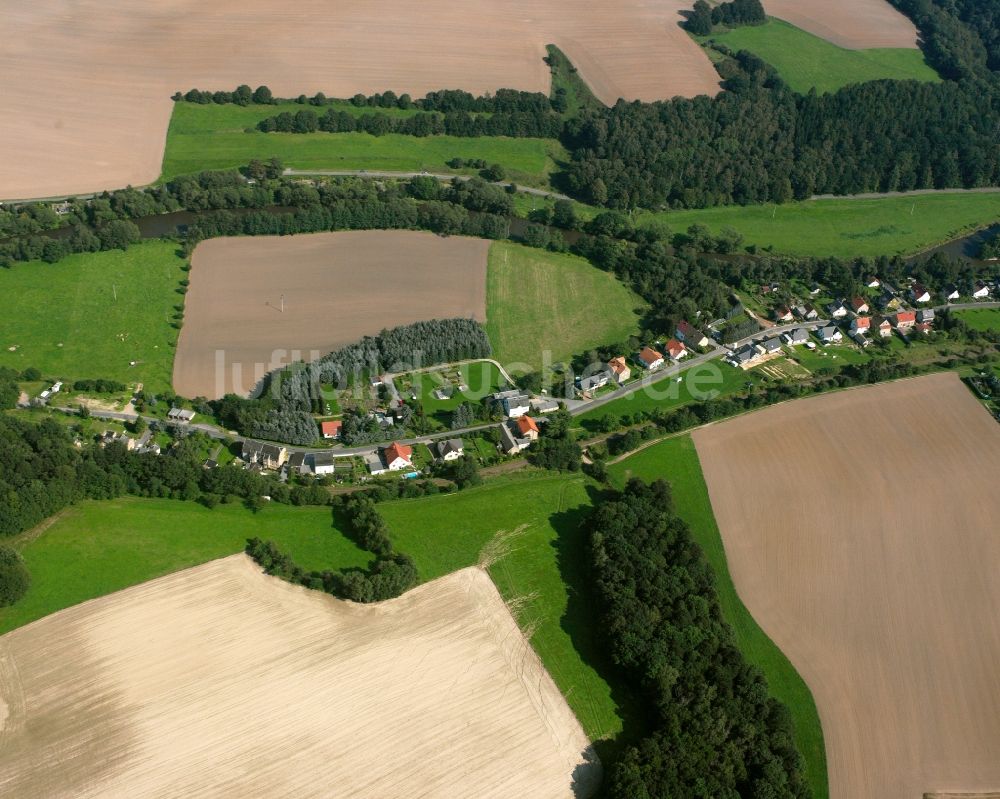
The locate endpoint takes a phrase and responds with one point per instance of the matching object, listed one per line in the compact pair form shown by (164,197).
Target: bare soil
(852,24)
(337,288)
(87,84)
(221,681)
(861,532)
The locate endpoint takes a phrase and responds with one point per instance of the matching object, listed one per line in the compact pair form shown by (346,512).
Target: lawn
(832,357)
(847,228)
(544,307)
(203,137)
(481,379)
(91,314)
(96,548)
(676,460)
(805,61)
(705,381)
(546,568)
(980,318)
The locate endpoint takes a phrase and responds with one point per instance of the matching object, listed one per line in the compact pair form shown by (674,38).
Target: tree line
(714,728)
(522,124)
(703,18)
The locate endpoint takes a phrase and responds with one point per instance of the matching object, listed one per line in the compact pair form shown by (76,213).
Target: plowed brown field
(220,681)
(337,288)
(87,84)
(854,24)
(862,533)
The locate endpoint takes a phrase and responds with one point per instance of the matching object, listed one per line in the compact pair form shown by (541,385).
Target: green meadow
(808,62)
(980,318)
(91,315)
(538,301)
(205,137)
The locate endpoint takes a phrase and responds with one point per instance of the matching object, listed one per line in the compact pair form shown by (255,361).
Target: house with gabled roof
(518,435)
(951,292)
(397,457)
(925,315)
(451,450)
(795,337)
(829,334)
(676,349)
(884,328)
(905,319)
(650,358)
(919,293)
(593,382)
(861,324)
(690,335)
(873,282)
(330,429)
(980,291)
(619,369)
(859,305)
(783,314)
(836,310)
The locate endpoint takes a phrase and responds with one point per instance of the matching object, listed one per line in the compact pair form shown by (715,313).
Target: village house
(795,337)
(690,335)
(544,406)
(919,293)
(980,291)
(593,382)
(375,464)
(297,463)
(815,289)
(905,320)
(676,350)
(619,369)
(514,402)
(770,346)
(925,316)
(453,448)
(859,338)
(861,324)
(873,282)
(180,415)
(746,356)
(951,292)
(888,301)
(829,335)
(859,305)
(267,456)
(885,328)
(923,327)
(518,435)
(323,463)
(836,310)
(783,314)
(650,358)
(398,457)
(330,429)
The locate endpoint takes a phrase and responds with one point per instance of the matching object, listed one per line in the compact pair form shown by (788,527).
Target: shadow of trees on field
(582,622)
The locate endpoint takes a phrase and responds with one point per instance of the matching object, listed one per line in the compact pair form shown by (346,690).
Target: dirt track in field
(861,532)
(87,84)
(337,287)
(221,681)
(853,24)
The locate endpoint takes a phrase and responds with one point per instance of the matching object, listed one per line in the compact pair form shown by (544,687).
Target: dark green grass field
(676,460)
(538,301)
(91,314)
(202,137)
(96,548)
(805,61)
(980,318)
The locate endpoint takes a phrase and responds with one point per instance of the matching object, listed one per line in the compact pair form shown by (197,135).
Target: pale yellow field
(87,84)
(854,24)
(220,681)
(337,288)
(861,532)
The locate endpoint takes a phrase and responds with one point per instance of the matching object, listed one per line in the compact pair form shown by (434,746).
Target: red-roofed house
(861,324)
(619,368)
(330,429)
(527,428)
(398,456)
(676,350)
(920,293)
(859,305)
(783,314)
(906,319)
(923,327)
(650,358)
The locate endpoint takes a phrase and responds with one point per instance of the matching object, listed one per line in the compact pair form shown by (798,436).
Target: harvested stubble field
(873,567)
(337,288)
(87,86)
(221,681)
(854,24)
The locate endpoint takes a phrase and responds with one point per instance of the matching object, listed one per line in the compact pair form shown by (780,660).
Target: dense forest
(715,730)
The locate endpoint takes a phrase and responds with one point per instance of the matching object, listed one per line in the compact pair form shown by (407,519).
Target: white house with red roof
(398,457)
(861,324)
(676,349)
(619,369)
(650,358)
(906,319)
(330,429)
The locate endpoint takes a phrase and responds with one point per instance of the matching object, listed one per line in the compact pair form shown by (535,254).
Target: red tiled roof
(674,348)
(862,322)
(395,450)
(649,355)
(906,316)
(526,425)
(330,428)
(685,329)
(617,365)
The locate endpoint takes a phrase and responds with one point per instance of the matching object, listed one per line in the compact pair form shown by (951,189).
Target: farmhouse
(330,429)
(690,335)
(919,293)
(829,334)
(905,320)
(398,457)
(676,350)
(619,369)
(180,415)
(795,337)
(451,450)
(650,358)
